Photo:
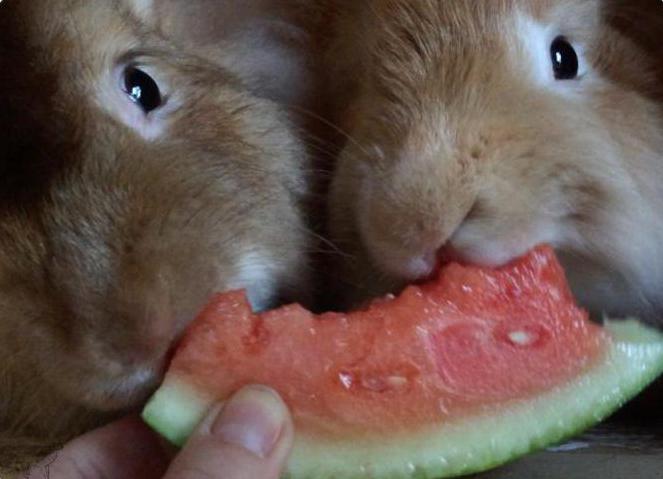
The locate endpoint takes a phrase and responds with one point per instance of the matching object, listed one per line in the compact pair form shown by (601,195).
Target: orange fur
(110,241)
(457,148)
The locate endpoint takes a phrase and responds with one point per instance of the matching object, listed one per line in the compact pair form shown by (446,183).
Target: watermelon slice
(457,376)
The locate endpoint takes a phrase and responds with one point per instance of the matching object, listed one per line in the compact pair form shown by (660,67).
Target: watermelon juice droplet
(347,379)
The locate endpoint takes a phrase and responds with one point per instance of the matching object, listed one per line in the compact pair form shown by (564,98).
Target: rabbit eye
(564,59)
(142,89)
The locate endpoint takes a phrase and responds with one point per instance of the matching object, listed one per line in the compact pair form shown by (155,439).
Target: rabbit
(136,179)
(479,130)
(265,41)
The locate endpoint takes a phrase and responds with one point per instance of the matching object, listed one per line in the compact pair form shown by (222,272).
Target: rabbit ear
(143,9)
(640,20)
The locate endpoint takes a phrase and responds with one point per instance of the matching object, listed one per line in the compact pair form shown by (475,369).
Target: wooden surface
(628,446)
(613,451)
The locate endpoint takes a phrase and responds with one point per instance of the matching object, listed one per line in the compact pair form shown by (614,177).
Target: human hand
(249,437)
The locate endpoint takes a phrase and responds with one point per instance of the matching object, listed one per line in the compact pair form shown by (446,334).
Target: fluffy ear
(143,9)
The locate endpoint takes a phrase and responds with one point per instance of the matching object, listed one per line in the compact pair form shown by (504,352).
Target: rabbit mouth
(120,384)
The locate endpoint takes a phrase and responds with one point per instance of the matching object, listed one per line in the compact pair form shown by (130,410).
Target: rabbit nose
(426,265)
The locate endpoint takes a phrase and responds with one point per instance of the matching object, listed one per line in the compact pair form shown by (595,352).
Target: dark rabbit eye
(564,59)
(142,89)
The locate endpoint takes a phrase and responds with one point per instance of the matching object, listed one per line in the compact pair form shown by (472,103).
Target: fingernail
(253,419)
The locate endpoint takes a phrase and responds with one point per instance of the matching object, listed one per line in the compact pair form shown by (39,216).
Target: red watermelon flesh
(455,347)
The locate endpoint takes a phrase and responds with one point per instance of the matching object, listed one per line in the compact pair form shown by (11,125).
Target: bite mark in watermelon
(456,376)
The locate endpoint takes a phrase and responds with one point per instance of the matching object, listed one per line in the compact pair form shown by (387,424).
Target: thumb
(125,449)
(250,437)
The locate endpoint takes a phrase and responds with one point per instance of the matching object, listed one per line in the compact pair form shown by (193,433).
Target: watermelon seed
(397,382)
(375,384)
(522,338)
(383,384)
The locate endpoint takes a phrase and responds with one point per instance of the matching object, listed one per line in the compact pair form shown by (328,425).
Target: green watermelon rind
(475,443)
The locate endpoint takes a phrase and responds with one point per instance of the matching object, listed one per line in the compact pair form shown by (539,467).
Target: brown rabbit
(481,129)
(135,180)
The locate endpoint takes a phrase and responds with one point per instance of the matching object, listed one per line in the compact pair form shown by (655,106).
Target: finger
(250,437)
(125,449)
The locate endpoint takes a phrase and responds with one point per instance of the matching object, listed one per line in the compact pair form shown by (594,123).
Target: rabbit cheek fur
(116,225)
(465,146)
